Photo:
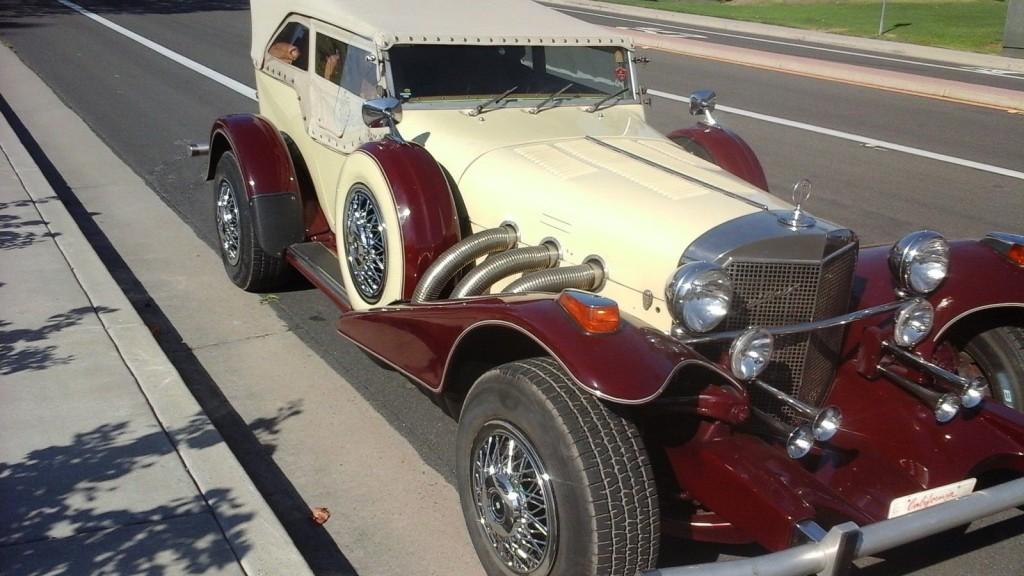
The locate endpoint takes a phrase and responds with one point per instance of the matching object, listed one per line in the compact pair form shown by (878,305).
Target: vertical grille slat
(781,293)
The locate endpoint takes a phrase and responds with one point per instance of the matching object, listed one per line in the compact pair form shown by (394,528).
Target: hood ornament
(798,218)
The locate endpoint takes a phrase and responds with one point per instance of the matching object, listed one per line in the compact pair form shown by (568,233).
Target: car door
(345,75)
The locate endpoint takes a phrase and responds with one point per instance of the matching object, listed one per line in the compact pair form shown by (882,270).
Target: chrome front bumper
(847,542)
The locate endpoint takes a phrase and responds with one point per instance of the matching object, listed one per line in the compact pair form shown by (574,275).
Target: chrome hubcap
(228,227)
(365,244)
(513,499)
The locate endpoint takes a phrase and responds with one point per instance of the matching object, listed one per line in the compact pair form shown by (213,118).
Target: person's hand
(285,51)
(331,65)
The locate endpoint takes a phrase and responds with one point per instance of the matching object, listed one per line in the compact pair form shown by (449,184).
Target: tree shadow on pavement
(19,351)
(66,509)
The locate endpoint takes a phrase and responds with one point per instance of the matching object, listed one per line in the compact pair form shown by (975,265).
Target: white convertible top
(390,22)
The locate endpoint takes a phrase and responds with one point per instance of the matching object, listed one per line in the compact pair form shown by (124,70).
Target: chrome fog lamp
(698,295)
(947,408)
(914,322)
(826,423)
(919,262)
(799,442)
(750,353)
(974,393)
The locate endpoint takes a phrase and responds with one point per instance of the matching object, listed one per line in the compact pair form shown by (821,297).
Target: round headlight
(750,353)
(698,295)
(913,323)
(799,442)
(920,261)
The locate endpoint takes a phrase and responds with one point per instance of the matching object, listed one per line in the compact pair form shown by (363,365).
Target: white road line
(855,138)
(1007,74)
(163,51)
(251,93)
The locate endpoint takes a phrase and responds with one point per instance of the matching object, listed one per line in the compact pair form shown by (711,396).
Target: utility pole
(1013,36)
(881,20)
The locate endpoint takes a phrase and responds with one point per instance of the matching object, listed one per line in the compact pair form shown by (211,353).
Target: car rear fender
(275,200)
(724,148)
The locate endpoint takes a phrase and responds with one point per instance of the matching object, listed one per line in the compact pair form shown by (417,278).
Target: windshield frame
(515,100)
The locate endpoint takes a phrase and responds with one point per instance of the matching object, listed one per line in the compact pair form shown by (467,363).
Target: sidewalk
(107,463)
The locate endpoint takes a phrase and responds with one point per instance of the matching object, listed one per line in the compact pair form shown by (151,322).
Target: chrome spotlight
(914,322)
(750,353)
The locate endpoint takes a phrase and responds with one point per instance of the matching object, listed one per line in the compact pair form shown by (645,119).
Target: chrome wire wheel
(228,224)
(366,246)
(514,500)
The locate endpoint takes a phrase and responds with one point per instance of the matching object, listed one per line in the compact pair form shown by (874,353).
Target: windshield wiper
(481,107)
(597,106)
(538,108)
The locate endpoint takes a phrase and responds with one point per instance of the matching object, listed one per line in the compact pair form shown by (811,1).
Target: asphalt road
(145,107)
(1012,80)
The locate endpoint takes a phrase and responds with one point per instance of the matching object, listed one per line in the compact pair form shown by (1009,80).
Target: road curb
(268,548)
(860,75)
(852,42)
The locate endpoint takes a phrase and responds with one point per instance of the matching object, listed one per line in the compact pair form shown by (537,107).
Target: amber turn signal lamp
(595,314)
(1016,254)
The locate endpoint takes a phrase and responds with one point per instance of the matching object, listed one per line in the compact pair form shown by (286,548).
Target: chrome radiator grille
(777,293)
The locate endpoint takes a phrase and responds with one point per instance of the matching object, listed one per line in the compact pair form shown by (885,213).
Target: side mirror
(702,103)
(384,113)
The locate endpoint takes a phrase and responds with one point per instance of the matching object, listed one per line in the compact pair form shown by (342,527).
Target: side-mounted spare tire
(248,266)
(552,481)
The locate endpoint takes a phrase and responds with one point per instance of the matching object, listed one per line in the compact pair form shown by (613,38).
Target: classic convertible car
(635,336)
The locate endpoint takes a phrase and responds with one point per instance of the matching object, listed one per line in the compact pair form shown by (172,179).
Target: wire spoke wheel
(513,499)
(365,243)
(228,225)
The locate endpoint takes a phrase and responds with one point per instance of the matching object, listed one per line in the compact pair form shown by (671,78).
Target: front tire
(247,265)
(552,482)
(998,355)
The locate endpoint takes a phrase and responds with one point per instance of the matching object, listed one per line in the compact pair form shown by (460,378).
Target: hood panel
(595,200)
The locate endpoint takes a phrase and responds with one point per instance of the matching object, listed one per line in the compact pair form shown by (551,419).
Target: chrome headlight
(750,353)
(920,261)
(698,295)
(913,323)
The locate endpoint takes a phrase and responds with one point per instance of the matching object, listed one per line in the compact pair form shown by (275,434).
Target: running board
(319,264)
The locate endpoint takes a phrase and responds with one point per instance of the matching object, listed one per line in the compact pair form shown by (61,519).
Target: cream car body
(547,173)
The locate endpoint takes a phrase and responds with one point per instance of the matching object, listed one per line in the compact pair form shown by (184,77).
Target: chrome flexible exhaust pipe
(825,422)
(586,276)
(944,406)
(458,257)
(503,265)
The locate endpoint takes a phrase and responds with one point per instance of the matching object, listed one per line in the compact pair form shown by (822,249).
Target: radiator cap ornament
(798,218)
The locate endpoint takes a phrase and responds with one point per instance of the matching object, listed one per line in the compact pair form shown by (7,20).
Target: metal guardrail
(845,543)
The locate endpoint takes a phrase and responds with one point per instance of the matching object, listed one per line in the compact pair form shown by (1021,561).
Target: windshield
(436,72)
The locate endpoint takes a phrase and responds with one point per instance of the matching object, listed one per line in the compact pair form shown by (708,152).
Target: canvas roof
(390,22)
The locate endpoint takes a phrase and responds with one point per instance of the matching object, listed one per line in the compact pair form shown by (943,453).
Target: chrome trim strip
(686,177)
(963,315)
(847,541)
(678,333)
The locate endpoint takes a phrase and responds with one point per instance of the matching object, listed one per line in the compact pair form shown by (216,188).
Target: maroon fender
(631,365)
(724,148)
(979,279)
(276,205)
(261,151)
(426,209)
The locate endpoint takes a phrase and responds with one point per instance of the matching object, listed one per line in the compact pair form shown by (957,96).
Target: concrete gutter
(943,55)
(860,75)
(268,548)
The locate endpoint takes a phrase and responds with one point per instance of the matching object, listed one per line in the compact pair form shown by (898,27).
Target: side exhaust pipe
(586,276)
(195,149)
(458,257)
(503,265)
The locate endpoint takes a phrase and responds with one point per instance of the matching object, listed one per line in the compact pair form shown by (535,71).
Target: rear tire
(582,499)
(247,265)
(998,354)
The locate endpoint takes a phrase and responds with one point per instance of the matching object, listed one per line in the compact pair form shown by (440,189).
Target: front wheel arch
(990,343)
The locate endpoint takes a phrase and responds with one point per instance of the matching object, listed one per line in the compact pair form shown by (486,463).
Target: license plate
(922,500)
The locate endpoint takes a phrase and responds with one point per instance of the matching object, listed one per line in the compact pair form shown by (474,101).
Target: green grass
(973,25)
